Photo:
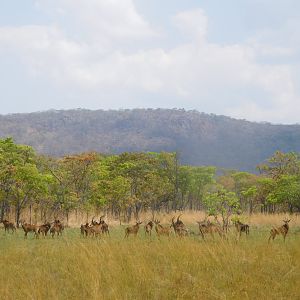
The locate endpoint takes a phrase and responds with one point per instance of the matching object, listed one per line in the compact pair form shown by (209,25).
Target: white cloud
(192,23)
(225,79)
(101,19)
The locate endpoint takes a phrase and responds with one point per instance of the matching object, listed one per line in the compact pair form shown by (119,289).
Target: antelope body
(207,227)
(86,230)
(57,228)
(43,229)
(283,230)
(179,227)
(30,228)
(9,226)
(133,229)
(104,226)
(161,230)
(148,228)
(83,229)
(95,229)
(240,227)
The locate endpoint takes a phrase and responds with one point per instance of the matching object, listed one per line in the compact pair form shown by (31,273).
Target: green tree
(286,192)
(223,203)
(21,182)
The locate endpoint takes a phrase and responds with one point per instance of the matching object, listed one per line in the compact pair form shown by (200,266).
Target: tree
(192,184)
(286,192)
(21,182)
(281,164)
(222,202)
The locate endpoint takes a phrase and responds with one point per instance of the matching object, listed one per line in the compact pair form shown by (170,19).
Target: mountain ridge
(200,138)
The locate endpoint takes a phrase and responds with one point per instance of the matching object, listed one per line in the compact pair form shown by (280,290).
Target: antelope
(95,229)
(104,226)
(132,229)
(240,227)
(211,228)
(89,231)
(83,228)
(179,227)
(30,228)
(161,230)
(148,228)
(86,230)
(283,230)
(9,226)
(43,229)
(57,228)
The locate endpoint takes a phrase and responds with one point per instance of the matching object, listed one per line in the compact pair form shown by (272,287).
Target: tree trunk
(18,214)
(67,214)
(30,213)
(2,210)
(251,207)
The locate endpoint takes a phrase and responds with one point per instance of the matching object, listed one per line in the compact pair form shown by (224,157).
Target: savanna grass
(71,267)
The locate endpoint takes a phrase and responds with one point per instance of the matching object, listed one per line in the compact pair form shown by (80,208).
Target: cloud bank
(106,54)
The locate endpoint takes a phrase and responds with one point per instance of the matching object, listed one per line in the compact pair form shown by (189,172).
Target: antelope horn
(178,218)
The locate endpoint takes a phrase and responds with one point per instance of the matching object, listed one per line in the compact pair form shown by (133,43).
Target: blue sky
(233,57)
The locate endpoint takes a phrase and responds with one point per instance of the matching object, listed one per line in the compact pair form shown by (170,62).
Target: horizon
(234,59)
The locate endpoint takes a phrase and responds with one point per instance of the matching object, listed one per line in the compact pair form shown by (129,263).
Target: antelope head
(94,222)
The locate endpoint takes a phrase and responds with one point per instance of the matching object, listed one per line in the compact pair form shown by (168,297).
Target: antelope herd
(55,227)
(95,229)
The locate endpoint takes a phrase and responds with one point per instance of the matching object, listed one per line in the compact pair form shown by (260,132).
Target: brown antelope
(57,228)
(207,227)
(104,226)
(30,228)
(284,229)
(240,227)
(83,229)
(133,229)
(86,230)
(95,229)
(148,228)
(9,226)
(89,231)
(43,229)
(179,227)
(161,230)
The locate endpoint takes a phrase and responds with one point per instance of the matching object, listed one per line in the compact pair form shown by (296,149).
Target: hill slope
(201,139)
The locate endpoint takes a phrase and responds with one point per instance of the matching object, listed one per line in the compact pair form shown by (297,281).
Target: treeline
(124,185)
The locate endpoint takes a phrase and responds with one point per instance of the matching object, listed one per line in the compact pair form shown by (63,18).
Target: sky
(239,58)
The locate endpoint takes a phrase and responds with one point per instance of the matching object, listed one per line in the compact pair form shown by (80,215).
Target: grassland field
(72,267)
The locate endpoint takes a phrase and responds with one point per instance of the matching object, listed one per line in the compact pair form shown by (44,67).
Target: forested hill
(201,139)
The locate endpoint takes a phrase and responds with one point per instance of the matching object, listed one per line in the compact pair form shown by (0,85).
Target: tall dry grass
(72,267)
(188,217)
